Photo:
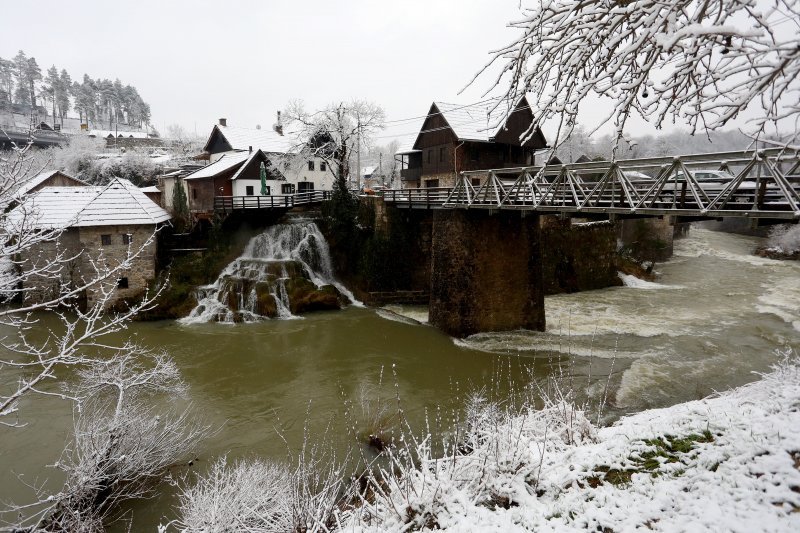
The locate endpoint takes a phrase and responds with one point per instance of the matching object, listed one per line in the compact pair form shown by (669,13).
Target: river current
(715,317)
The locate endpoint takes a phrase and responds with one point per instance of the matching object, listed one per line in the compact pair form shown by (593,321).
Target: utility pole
(358,154)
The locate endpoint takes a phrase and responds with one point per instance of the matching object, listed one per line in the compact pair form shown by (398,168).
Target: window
(441,154)
(430,156)
(473,153)
(249,190)
(305,186)
(429,184)
(105,240)
(323,166)
(194,194)
(122,283)
(476,182)
(310,165)
(287,188)
(269,190)
(127,238)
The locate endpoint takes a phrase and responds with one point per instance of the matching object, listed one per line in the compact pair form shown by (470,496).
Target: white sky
(195,61)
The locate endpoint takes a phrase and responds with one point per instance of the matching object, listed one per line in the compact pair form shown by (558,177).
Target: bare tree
(694,61)
(335,133)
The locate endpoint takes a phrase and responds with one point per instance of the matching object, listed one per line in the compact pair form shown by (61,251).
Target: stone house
(98,229)
(455,138)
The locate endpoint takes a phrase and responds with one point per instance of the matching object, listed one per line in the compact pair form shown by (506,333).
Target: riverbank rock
(778,253)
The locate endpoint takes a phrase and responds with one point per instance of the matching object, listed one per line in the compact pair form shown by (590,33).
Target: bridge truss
(763,184)
(757,184)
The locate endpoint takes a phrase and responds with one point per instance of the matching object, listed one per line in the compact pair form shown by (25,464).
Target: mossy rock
(265,302)
(304,296)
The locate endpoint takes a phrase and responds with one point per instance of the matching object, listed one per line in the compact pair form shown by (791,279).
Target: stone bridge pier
(486,272)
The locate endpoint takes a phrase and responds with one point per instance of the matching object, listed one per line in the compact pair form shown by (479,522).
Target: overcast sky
(195,61)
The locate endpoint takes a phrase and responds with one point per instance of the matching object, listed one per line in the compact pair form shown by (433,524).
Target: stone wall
(578,256)
(84,245)
(647,239)
(486,272)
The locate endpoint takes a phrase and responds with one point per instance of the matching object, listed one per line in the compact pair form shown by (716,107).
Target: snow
(474,123)
(118,203)
(739,474)
(226,162)
(245,139)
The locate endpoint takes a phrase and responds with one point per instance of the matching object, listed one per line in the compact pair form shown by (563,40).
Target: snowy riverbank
(726,463)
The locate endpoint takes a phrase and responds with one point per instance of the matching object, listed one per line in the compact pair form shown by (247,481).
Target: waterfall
(257,280)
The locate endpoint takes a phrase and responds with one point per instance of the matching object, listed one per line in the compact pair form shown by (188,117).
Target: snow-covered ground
(725,463)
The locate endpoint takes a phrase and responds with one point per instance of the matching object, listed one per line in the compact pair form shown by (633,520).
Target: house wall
(201,192)
(167,186)
(58,180)
(85,245)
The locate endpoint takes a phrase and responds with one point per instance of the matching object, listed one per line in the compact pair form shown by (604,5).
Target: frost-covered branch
(698,62)
(123,444)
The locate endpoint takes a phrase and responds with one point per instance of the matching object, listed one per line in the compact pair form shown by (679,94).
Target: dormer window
(311,165)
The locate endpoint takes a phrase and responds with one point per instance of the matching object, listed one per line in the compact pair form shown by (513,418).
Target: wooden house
(16,192)
(235,174)
(456,138)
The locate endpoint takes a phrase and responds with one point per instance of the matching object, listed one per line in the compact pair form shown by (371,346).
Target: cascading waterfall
(254,286)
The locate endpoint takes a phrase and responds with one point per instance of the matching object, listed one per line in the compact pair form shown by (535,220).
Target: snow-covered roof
(120,203)
(151,188)
(368,171)
(244,138)
(28,185)
(472,123)
(226,162)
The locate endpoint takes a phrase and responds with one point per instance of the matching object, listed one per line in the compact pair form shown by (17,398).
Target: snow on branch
(699,62)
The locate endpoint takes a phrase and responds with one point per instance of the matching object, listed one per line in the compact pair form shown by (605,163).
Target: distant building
(457,138)
(100,225)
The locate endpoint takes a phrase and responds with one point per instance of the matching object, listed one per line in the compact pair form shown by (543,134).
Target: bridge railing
(228,204)
(424,198)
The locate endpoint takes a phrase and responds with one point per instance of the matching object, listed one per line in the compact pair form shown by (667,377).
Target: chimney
(258,126)
(278,126)
(251,149)
(223,122)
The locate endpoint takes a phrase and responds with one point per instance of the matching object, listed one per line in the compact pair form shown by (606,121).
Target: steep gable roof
(224,163)
(26,186)
(119,203)
(481,124)
(244,139)
(272,171)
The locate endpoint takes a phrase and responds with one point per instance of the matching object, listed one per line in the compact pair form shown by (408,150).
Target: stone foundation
(486,272)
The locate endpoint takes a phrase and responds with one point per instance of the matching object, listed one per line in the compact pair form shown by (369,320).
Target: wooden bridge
(763,184)
(231,204)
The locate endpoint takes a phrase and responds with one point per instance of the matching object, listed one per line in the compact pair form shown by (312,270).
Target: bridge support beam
(486,272)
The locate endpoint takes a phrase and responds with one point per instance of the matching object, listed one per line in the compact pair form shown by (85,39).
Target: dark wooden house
(456,138)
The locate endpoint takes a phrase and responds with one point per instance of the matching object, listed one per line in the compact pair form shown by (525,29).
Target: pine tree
(180,206)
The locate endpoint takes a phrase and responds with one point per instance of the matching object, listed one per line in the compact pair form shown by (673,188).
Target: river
(716,315)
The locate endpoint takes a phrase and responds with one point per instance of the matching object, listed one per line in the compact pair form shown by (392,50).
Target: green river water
(716,316)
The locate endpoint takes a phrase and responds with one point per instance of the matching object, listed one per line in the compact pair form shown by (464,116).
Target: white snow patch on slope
(745,479)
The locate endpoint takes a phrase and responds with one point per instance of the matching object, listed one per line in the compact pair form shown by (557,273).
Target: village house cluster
(103,225)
